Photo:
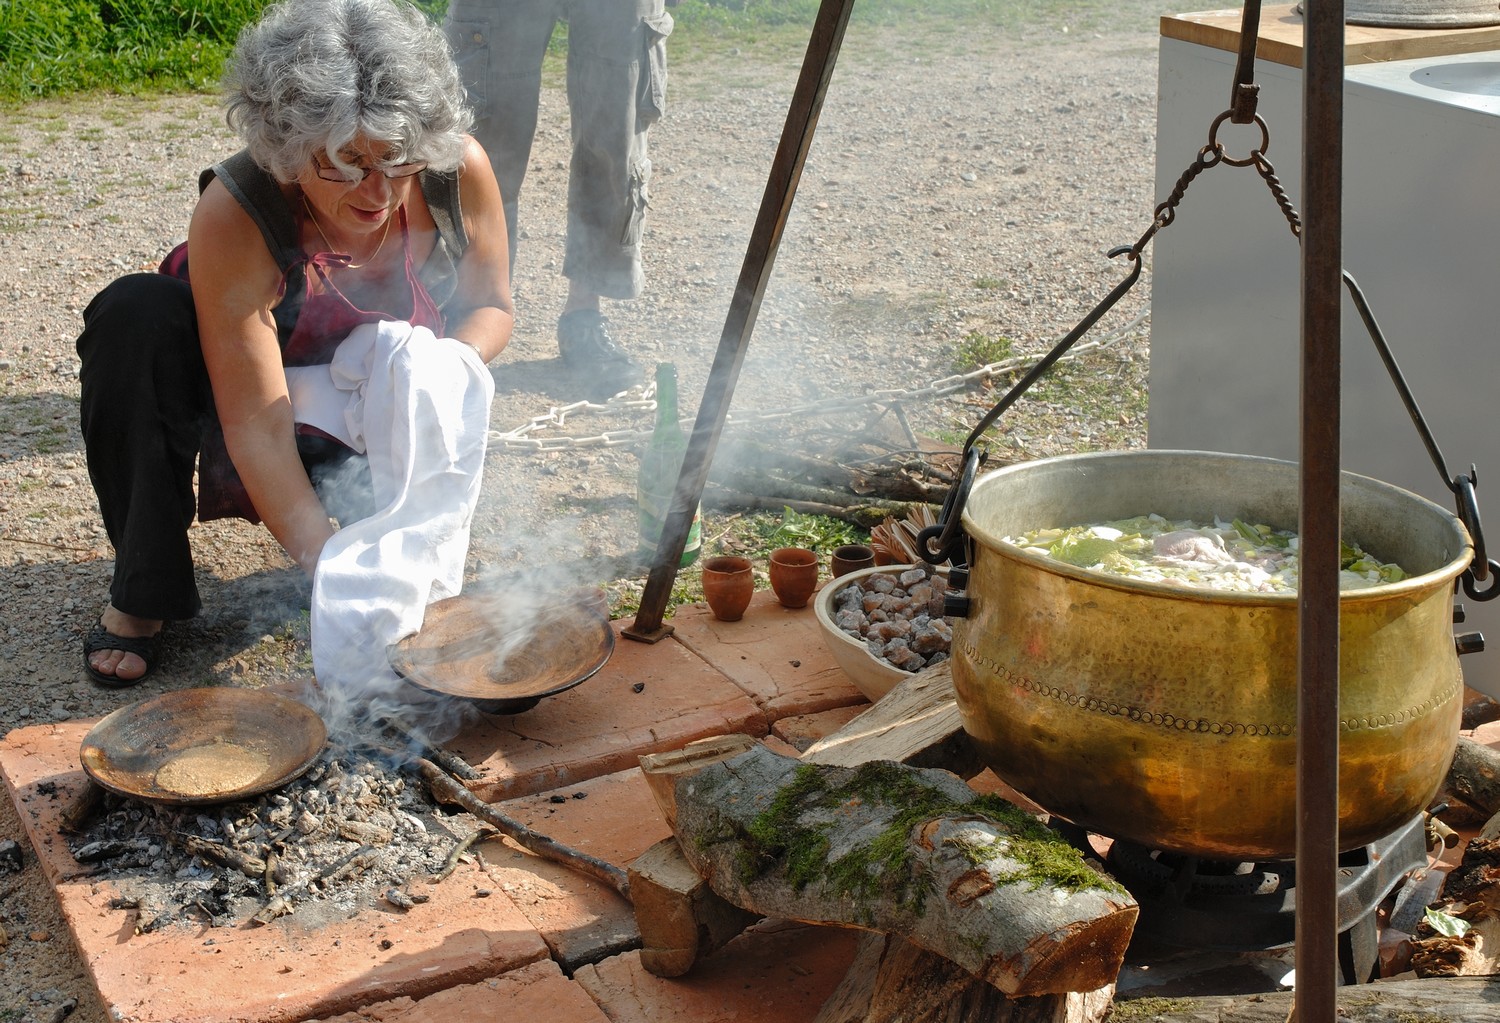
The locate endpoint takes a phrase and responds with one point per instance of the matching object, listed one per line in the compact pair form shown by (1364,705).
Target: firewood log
(1474,775)
(912,851)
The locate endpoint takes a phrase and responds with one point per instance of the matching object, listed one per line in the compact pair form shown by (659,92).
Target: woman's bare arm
(235,282)
(481,311)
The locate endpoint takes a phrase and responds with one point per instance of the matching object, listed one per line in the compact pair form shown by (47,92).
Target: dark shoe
(147,648)
(593,356)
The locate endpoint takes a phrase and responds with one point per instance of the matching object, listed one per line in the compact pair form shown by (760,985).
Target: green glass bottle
(661,461)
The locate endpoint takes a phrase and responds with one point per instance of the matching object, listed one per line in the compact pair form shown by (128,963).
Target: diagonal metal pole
(1317,973)
(760,257)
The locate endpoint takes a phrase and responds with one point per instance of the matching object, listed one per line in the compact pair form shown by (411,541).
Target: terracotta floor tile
(775,654)
(280,972)
(776,972)
(604,725)
(535,992)
(614,818)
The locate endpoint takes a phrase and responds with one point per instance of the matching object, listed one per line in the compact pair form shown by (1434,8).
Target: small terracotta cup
(794,575)
(728,585)
(850,558)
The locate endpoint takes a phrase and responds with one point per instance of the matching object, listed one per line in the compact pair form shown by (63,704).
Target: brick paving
(508,933)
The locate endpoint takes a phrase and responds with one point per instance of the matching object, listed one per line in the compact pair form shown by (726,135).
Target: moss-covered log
(912,852)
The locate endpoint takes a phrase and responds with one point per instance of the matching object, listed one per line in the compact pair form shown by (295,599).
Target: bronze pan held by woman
(359,198)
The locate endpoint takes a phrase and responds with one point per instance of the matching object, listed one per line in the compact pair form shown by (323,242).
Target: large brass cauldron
(1163,715)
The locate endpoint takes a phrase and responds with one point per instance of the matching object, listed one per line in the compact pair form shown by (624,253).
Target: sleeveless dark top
(310,324)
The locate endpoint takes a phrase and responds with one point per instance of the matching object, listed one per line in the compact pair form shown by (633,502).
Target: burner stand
(1207,904)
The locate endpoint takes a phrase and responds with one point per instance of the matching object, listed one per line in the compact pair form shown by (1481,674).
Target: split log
(893,981)
(1384,1001)
(679,916)
(917,852)
(1474,775)
(916,724)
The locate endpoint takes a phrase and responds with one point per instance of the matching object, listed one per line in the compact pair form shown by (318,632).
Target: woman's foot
(122,649)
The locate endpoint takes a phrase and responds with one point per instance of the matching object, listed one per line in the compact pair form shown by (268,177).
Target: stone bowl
(873,676)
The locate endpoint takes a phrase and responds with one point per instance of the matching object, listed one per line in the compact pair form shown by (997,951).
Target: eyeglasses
(400,170)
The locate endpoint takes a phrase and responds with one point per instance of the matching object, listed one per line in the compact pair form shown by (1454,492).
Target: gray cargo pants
(617,76)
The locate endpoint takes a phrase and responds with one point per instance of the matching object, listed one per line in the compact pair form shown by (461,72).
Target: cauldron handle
(948,532)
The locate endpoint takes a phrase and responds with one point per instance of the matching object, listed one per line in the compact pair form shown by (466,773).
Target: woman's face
(359,206)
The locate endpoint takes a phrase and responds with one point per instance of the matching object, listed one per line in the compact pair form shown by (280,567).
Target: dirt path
(957,185)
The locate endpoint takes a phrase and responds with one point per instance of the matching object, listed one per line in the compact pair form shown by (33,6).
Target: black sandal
(147,648)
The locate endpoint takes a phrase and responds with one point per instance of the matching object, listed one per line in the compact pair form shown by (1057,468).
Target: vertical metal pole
(1317,967)
(760,257)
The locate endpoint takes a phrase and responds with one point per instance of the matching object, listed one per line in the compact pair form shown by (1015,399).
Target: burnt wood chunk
(912,851)
(679,916)
(1471,894)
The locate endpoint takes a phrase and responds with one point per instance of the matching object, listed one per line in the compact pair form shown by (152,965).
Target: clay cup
(794,575)
(728,585)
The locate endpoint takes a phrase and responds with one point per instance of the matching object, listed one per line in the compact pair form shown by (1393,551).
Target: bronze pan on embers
(195,746)
(503,658)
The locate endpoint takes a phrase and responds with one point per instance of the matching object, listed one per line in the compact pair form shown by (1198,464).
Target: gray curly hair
(311,76)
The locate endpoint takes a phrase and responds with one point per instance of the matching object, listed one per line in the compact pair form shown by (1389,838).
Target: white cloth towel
(419,407)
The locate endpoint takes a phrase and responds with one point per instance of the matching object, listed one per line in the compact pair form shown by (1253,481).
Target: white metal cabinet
(1421,236)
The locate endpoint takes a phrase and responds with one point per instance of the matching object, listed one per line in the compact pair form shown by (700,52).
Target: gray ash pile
(350,832)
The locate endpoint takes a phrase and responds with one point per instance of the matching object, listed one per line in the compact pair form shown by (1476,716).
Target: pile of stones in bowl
(898,616)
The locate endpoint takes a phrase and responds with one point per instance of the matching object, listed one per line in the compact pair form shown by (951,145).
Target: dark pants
(146,403)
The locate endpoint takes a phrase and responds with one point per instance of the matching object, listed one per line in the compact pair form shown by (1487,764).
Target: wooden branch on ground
(891,848)
(746,464)
(447,789)
(859,513)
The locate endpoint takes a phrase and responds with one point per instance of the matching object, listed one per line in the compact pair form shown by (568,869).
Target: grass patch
(978,350)
(138,47)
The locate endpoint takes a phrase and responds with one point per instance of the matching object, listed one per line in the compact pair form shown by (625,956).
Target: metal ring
(948,531)
(1213,140)
(1471,585)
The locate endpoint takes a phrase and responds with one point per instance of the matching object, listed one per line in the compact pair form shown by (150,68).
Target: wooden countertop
(1281,37)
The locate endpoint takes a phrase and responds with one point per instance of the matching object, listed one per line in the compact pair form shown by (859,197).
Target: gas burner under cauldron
(1190,902)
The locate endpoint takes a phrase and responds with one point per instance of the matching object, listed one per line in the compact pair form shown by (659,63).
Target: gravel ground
(957,186)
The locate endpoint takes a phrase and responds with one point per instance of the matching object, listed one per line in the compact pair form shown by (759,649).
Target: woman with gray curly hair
(359,198)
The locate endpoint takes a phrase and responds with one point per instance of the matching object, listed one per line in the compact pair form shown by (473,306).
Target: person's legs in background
(499,46)
(616,91)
